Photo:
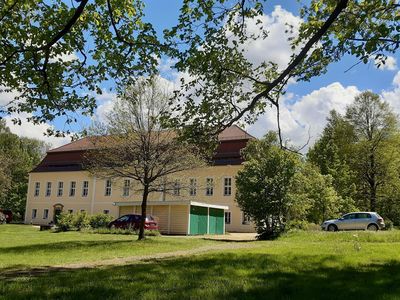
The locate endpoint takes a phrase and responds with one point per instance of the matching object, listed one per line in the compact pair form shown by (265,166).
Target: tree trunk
(144,212)
(372,184)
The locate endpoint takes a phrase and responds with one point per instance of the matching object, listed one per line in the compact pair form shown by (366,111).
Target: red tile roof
(70,156)
(231,133)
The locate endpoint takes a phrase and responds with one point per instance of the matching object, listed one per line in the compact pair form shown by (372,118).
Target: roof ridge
(70,143)
(241,129)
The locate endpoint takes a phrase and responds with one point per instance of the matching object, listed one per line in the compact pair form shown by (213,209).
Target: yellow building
(59,183)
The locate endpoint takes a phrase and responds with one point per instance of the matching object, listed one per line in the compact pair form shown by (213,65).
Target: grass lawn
(23,246)
(300,265)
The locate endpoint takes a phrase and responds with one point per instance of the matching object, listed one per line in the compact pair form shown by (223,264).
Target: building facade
(206,204)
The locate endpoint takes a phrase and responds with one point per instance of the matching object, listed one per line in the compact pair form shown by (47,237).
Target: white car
(355,221)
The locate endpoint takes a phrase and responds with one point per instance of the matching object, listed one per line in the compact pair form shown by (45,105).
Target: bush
(296,225)
(65,221)
(100,221)
(388,224)
(2,218)
(313,227)
(113,231)
(123,231)
(81,220)
(152,233)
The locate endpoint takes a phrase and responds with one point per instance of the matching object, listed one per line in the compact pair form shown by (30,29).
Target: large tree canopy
(56,54)
(225,86)
(17,157)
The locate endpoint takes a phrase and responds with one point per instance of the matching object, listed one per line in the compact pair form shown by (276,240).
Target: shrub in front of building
(65,222)
(81,221)
(100,221)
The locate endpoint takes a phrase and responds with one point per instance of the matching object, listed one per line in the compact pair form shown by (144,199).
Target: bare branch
(341,5)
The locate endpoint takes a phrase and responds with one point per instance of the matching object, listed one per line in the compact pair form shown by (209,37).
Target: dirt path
(127,260)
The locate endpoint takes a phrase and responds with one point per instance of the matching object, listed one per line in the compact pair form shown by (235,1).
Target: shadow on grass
(223,276)
(61,246)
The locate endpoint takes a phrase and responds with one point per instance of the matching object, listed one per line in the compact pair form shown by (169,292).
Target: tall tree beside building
(332,153)
(134,144)
(360,152)
(375,126)
(18,156)
(264,184)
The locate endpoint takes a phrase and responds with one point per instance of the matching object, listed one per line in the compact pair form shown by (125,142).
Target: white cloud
(390,63)
(105,105)
(393,96)
(65,57)
(30,130)
(275,47)
(6,96)
(306,116)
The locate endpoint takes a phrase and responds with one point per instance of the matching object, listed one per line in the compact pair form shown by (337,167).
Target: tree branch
(67,27)
(342,4)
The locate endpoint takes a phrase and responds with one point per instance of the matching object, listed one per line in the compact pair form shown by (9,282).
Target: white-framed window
(48,189)
(245,219)
(85,188)
(72,188)
(177,187)
(193,187)
(227,217)
(106,211)
(34,213)
(107,191)
(209,186)
(127,187)
(45,213)
(60,189)
(70,211)
(37,189)
(227,186)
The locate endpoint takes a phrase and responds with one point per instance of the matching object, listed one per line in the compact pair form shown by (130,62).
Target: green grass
(23,246)
(300,265)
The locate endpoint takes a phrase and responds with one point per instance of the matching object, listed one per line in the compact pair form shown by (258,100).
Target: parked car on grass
(8,215)
(133,222)
(355,221)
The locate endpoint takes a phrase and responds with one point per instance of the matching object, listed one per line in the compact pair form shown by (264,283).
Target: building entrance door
(58,208)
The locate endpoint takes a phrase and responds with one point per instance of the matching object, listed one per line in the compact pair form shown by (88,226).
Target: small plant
(357,244)
(296,225)
(2,218)
(123,231)
(100,221)
(152,233)
(65,221)
(81,220)
(388,225)
(114,231)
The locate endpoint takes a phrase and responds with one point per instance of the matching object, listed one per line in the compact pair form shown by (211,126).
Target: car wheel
(372,227)
(332,228)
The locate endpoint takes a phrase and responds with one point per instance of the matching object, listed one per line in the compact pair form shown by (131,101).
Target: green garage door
(216,221)
(198,220)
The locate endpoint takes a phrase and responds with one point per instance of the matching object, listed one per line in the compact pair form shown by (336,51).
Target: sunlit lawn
(300,265)
(23,246)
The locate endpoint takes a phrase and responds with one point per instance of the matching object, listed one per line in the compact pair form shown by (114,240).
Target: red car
(133,222)
(8,215)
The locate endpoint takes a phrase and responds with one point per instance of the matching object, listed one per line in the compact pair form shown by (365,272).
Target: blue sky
(306,104)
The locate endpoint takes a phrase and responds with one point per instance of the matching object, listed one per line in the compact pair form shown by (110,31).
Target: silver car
(355,221)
